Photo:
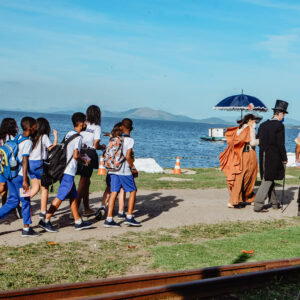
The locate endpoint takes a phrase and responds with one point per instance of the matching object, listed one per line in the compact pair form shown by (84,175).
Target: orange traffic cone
(177,169)
(101,170)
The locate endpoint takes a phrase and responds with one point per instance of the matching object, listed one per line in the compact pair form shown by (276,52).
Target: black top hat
(281,106)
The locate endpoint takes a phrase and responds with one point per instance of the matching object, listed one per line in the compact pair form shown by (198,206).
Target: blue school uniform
(15,187)
(67,188)
(123,178)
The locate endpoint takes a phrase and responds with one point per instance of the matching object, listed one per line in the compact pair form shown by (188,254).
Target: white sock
(47,220)
(109,219)
(26,228)
(79,221)
(121,212)
(129,216)
(43,212)
(102,206)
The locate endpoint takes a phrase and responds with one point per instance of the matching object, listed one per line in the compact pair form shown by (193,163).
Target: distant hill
(146,113)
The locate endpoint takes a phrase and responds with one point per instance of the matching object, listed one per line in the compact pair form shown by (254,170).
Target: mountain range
(146,113)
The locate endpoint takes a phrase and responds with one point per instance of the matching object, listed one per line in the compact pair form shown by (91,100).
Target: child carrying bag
(56,162)
(113,156)
(9,162)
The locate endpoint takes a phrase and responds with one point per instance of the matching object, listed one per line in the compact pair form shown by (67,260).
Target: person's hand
(284,162)
(25,186)
(102,147)
(298,160)
(54,133)
(134,172)
(106,134)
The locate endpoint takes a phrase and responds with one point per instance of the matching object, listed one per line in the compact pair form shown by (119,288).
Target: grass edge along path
(203,179)
(140,252)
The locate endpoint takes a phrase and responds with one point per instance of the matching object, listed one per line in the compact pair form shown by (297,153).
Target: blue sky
(179,56)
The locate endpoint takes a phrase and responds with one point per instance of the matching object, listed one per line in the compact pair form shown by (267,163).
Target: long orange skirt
(242,189)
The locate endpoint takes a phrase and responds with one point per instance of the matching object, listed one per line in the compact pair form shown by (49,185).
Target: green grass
(275,244)
(203,179)
(164,249)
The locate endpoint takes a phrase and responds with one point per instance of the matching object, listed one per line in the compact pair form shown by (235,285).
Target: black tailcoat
(272,152)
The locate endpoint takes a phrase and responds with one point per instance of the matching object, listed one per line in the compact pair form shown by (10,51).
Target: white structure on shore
(148,165)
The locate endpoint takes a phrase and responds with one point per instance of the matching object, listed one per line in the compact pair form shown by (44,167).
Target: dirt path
(155,209)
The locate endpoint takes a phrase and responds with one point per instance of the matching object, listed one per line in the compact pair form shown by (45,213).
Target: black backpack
(56,162)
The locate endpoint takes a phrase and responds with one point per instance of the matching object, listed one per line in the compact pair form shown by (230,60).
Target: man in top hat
(272,156)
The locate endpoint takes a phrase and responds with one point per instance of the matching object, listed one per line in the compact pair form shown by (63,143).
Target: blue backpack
(9,162)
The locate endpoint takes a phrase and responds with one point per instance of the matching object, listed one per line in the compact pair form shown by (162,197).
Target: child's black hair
(93,114)
(116,130)
(27,122)
(78,117)
(42,127)
(8,127)
(127,123)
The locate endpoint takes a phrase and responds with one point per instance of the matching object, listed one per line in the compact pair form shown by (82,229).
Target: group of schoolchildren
(32,148)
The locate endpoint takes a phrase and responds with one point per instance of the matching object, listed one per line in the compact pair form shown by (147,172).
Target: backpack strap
(70,139)
(66,142)
(19,140)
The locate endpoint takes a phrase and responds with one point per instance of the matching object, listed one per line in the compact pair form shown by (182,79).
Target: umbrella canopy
(241,102)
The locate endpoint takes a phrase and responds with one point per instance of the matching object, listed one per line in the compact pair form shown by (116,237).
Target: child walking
(40,147)
(102,210)
(18,187)
(67,188)
(90,143)
(124,178)
(8,131)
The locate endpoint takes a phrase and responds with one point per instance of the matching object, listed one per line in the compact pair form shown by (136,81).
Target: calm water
(161,140)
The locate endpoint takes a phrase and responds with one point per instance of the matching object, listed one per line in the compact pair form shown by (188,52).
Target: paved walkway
(155,209)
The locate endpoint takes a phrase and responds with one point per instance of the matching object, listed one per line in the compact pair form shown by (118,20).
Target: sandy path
(155,209)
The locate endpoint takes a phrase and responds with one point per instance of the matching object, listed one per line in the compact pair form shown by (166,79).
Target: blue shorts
(125,181)
(33,165)
(108,180)
(14,198)
(2,179)
(67,188)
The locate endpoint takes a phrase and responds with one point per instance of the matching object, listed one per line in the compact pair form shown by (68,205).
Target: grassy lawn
(203,179)
(162,250)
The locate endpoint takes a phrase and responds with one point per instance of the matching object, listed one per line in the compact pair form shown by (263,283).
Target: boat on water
(215,135)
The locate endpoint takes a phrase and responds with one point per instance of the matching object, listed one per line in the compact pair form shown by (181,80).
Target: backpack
(56,162)
(113,156)
(9,162)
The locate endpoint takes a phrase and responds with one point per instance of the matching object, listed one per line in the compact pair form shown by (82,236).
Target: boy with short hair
(67,188)
(18,187)
(124,178)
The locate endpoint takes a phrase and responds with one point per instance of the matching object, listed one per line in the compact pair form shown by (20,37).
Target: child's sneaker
(47,226)
(83,225)
(29,233)
(132,222)
(100,213)
(42,216)
(111,223)
(121,216)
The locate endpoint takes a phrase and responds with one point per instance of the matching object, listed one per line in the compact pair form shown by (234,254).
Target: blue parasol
(241,102)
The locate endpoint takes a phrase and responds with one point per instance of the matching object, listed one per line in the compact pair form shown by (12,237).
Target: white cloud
(283,46)
(274,4)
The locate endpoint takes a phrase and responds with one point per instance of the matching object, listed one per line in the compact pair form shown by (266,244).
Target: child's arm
(25,169)
(97,145)
(79,158)
(298,153)
(130,160)
(55,137)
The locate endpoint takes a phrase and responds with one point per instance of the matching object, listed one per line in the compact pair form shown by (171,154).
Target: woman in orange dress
(239,161)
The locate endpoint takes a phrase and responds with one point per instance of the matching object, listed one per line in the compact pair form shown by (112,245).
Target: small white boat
(215,135)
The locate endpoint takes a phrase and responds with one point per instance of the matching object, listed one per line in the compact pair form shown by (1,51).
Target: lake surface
(161,140)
